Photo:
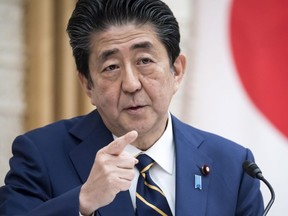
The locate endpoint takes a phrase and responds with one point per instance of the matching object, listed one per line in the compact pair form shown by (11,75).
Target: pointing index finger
(117,146)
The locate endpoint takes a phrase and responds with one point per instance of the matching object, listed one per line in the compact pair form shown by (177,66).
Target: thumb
(117,146)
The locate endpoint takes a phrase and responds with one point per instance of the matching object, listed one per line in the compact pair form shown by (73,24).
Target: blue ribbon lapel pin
(198,182)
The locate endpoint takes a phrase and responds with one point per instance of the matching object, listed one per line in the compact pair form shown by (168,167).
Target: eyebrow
(142,45)
(107,53)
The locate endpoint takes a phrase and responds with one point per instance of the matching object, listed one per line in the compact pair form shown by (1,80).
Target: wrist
(80,214)
(86,206)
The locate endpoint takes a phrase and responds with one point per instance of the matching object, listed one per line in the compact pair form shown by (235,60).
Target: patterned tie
(150,198)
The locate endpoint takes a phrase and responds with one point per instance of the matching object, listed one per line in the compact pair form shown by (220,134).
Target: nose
(130,81)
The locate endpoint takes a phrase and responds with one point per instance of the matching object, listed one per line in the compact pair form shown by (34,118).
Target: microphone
(254,171)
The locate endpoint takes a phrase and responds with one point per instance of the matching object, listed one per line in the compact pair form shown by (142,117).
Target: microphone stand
(254,171)
(272,196)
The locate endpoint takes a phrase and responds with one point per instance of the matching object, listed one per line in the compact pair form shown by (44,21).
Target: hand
(112,172)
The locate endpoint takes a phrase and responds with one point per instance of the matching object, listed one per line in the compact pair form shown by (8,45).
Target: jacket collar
(189,160)
(93,136)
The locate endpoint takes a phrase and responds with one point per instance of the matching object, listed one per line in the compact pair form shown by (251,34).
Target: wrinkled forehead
(116,35)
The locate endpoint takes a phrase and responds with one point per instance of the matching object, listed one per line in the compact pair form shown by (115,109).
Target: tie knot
(145,163)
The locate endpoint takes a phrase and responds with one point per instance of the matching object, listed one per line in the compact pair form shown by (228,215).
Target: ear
(179,67)
(85,85)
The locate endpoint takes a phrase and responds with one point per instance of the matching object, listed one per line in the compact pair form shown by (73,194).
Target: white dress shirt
(163,171)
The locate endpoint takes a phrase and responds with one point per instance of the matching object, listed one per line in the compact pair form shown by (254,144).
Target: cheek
(160,91)
(95,98)
(105,95)
(168,85)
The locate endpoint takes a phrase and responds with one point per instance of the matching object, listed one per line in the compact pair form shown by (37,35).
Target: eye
(110,68)
(145,61)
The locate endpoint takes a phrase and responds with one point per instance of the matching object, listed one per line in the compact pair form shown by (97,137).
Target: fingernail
(136,161)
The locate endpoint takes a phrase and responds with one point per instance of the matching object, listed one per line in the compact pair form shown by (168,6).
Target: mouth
(134,109)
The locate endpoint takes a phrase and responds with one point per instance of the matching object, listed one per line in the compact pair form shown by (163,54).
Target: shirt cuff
(86,215)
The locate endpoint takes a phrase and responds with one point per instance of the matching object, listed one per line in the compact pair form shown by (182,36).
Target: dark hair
(91,16)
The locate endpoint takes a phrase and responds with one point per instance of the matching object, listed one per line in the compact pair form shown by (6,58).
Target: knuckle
(132,175)
(125,185)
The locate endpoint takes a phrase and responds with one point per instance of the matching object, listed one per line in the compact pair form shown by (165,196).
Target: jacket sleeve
(250,201)
(27,190)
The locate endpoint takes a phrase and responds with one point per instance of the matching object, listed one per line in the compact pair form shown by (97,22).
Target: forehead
(124,36)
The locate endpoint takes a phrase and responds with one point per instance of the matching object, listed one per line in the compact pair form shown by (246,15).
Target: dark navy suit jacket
(50,164)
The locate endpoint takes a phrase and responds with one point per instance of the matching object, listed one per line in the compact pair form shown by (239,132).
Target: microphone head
(252,169)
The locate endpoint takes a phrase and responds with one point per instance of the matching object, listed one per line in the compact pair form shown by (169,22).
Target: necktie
(150,199)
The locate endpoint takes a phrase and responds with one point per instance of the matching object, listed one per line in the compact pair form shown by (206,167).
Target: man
(129,62)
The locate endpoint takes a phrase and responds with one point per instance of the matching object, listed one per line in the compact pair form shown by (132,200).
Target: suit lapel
(189,160)
(93,136)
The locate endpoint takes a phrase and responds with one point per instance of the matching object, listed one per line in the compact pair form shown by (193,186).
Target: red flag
(259,36)
(235,84)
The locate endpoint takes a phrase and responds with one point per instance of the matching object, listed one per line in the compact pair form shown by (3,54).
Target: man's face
(133,82)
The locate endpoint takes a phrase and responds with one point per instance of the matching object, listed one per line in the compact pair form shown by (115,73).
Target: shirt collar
(162,152)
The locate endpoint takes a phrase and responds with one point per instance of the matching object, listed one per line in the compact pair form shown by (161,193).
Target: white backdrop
(12,104)
(212,97)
